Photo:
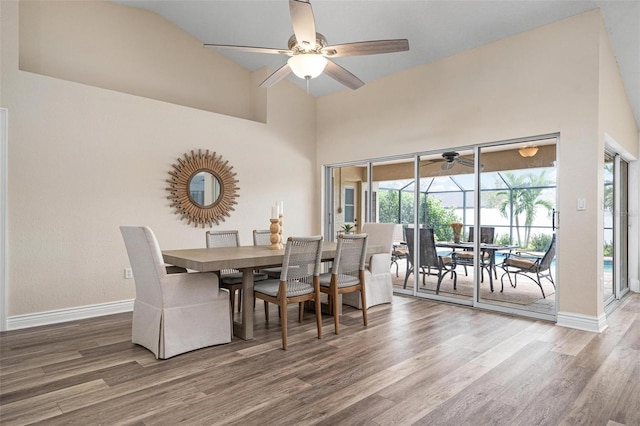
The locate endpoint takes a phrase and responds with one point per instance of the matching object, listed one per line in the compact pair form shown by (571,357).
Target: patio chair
(429,259)
(298,283)
(347,274)
(399,249)
(231,279)
(173,313)
(530,265)
(465,258)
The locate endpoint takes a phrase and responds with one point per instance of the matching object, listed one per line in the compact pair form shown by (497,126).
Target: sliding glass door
(471,208)
(615,250)
(517,204)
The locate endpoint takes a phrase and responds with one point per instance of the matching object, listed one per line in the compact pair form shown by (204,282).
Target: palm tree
(523,199)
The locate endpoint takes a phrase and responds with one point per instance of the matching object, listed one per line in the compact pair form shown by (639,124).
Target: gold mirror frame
(180,197)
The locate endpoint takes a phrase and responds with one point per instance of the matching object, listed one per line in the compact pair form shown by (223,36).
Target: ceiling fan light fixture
(307,65)
(528,151)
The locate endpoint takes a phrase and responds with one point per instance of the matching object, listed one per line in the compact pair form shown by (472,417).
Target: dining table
(245,259)
(489,248)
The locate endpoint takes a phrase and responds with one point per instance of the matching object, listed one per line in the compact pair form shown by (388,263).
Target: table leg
(244,330)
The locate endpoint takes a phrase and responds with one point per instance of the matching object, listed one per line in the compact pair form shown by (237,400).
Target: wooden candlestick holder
(275,234)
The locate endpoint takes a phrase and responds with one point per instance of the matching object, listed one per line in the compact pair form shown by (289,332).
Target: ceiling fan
(452,157)
(310,54)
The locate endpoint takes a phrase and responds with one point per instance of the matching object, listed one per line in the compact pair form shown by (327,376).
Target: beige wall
(539,82)
(84,160)
(131,50)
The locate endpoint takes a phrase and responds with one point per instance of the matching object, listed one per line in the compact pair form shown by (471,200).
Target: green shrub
(503,239)
(540,242)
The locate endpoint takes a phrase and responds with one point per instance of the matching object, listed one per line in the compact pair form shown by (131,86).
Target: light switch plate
(582,204)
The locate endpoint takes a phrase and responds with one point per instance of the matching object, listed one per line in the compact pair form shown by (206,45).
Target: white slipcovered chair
(378,285)
(173,313)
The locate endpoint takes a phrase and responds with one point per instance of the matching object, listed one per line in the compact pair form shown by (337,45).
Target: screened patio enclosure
(494,186)
(447,199)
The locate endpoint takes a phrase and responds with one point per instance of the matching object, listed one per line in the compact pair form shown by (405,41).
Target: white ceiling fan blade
(304,26)
(342,76)
(278,75)
(251,49)
(373,47)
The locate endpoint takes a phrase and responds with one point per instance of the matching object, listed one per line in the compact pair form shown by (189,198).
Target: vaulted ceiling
(434,28)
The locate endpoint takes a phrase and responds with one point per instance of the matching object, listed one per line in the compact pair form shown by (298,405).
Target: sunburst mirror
(203,188)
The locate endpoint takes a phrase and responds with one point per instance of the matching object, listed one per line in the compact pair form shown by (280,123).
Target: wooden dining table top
(217,259)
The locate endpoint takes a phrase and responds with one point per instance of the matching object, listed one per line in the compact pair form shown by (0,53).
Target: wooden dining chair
(231,279)
(262,237)
(298,282)
(347,274)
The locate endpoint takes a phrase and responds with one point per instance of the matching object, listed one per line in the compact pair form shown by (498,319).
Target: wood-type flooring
(418,362)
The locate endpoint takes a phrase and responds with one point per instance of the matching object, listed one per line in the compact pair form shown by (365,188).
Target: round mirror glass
(204,189)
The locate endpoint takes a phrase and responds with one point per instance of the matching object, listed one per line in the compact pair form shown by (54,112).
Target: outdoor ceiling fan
(452,157)
(310,53)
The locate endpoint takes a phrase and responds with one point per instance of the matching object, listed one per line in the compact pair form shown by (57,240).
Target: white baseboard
(71,314)
(582,322)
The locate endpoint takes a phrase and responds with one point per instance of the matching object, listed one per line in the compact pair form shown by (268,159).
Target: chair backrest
(398,234)
(428,253)
(487,234)
(261,237)
(146,262)
(545,263)
(302,257)
(380,234)
(350,255)
(217,239)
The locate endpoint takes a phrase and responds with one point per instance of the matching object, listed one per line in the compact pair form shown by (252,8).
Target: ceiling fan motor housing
(321,42)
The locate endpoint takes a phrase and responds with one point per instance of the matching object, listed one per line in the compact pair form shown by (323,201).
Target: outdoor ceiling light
(528,151)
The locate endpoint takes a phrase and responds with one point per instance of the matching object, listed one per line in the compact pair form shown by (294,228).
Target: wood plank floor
(418,362)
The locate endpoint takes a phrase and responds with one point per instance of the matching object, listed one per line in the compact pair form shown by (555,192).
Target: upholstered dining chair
(173,313)
(347,274)
(530,265)
(231,279)
(298,283)
(378,282)
(428,259)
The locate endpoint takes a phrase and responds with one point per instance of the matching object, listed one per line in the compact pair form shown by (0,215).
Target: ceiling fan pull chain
(308,79)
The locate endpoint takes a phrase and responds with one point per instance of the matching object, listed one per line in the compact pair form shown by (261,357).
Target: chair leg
(363,296)
(336,310)
(232,293)
(406,276)
(283,321)
(540,285)
(300,311)
(266,311)
(318,314)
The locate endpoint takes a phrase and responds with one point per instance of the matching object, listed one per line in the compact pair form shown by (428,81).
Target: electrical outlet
(128,273)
